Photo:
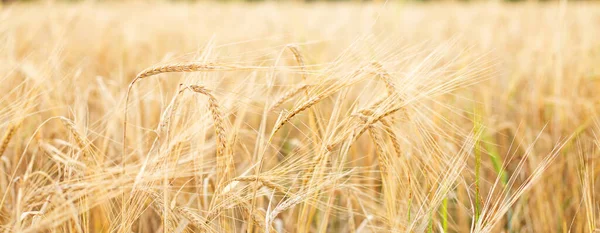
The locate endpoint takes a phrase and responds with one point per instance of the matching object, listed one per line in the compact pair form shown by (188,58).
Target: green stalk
(430,227)
(496,160)
(478,127)
(445,214)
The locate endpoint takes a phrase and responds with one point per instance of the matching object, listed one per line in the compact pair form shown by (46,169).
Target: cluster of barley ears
(323,118)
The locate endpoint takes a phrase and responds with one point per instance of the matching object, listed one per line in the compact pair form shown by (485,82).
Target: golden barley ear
(191,215)
(384,166)
(256,215)
(299,59)
(10,132)
(367,119)
(224,160)
(385,77)
(264,181)
(70,125)
(299,109)
(387,126)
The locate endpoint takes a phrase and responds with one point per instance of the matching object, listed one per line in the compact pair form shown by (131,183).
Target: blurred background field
(488,120)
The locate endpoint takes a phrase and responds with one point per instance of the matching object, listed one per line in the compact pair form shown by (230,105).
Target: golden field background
(324,117)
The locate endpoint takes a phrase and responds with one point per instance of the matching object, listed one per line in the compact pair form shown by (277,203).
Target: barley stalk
(384,162)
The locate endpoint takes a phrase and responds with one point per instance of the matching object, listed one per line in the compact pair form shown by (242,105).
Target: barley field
(300,117)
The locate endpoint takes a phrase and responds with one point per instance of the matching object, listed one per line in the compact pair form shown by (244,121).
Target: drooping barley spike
(382,74)
(224,162)
(191,215)
(384,162)
(393,136)
(388,129)
(265,182)
(299,59)
(79,139)
(385,77)
(384,166)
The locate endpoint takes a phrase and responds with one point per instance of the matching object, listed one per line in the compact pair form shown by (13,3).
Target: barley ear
(10,132)
(79,139)
(299,59)
(224,162)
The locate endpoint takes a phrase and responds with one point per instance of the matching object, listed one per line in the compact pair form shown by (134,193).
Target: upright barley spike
(10,132)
